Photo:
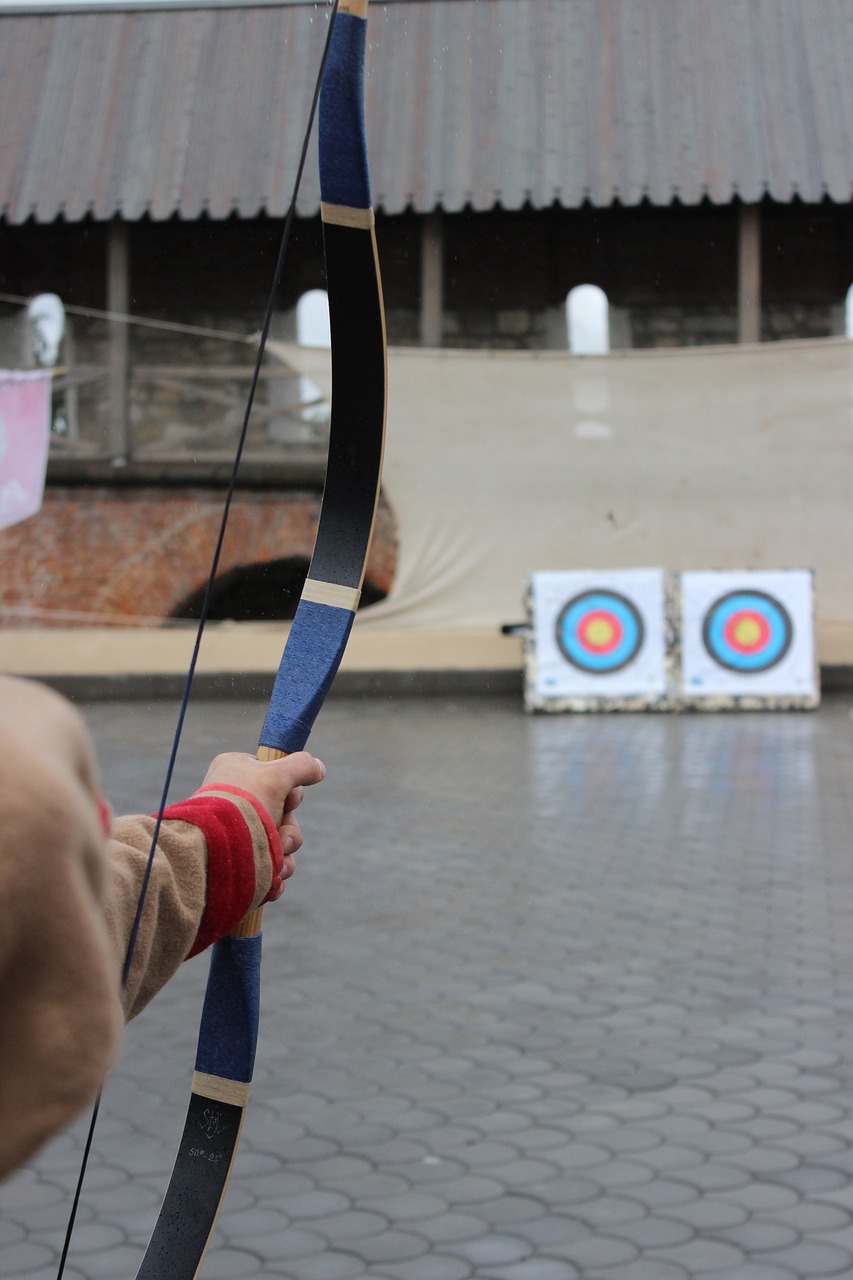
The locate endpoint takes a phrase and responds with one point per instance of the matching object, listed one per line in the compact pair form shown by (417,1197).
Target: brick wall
(136,553)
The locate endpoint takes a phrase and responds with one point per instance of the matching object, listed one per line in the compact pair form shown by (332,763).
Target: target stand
(598,641)
(647,640)
(747,640)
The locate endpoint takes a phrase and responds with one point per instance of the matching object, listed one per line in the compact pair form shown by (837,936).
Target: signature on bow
(212,1123)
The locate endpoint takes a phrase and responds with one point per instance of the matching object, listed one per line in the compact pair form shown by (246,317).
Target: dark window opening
(260,593)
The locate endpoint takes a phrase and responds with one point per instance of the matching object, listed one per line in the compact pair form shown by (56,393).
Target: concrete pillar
(432,280)
(118,300)
(749,273)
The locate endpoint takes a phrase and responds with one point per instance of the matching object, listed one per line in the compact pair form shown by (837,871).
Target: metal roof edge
(40,8)
(46,9)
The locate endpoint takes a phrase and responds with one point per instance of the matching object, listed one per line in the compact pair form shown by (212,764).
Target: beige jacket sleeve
(67,902)
(60,1012)
(177,905)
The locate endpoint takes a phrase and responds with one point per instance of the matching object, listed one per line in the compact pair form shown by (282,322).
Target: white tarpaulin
(502,463)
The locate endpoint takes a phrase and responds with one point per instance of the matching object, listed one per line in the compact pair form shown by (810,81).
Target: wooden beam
(432,280)
(118,300)
(749,273)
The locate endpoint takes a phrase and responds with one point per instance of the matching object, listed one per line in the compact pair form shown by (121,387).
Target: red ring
(589,620)
(733,640)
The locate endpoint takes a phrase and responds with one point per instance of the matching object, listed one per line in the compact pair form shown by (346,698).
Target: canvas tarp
(499,463)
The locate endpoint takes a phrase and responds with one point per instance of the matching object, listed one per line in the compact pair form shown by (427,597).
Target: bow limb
(315,645)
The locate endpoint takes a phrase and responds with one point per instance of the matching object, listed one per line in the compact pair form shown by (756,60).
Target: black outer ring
(585,595)
(761,595)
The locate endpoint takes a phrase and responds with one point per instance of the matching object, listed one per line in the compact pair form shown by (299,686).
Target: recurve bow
(315,644)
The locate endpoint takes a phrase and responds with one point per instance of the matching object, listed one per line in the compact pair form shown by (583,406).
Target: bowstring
(205,609)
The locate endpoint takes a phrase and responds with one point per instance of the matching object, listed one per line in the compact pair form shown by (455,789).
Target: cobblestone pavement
(548,998)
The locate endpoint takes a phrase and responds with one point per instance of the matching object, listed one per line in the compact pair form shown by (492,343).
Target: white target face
(748,634)
(599,633)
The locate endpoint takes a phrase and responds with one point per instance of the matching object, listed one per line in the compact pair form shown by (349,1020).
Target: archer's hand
(277,784)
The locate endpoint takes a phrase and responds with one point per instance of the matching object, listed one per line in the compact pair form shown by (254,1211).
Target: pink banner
(24,439)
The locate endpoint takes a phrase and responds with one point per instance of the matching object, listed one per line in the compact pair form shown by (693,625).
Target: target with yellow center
(747,631)
(599,632)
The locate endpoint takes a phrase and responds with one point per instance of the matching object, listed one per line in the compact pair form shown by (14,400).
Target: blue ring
(572,648)
(775,615)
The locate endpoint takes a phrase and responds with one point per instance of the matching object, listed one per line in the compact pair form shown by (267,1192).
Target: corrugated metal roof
(470,103)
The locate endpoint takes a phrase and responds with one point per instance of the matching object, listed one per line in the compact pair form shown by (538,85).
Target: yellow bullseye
(747,632)
(600,633)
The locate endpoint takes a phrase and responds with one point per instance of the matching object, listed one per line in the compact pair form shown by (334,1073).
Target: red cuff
(273,838)
(230,858)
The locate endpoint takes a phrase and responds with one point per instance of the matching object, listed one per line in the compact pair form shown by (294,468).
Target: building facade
(690,161)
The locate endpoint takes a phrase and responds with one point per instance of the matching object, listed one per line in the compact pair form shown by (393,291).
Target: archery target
(748,634)
(747,631)
(598,634)
(599,631)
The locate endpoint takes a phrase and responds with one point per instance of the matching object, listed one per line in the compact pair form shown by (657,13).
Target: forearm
(215,860)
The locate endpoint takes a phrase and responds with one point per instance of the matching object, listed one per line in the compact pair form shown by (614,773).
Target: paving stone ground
(548,998)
